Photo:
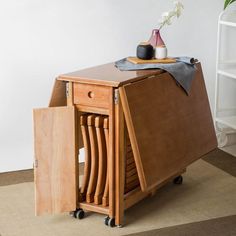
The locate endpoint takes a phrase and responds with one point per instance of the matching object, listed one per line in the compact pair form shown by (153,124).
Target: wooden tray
(136,60)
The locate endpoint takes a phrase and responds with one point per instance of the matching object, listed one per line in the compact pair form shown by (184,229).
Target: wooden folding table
(139,130)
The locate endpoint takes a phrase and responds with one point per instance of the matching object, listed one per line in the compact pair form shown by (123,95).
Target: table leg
(119,163)
(111,158)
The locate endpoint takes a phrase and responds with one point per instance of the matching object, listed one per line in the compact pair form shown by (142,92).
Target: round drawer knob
(90,94)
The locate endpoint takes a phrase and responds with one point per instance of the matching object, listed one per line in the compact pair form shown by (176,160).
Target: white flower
(178,8)
(167,16)
(178,4)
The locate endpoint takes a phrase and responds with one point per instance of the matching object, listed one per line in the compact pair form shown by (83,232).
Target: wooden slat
(128,142)
(105,198)
(129,153)
(131,172)
(102,160)
(168,129)
(87,151)
(94,159)
(129,148)
(55,160)
(129,160)
(131,178)
(131,166)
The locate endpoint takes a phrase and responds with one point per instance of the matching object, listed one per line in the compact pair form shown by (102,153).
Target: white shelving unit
(225,70)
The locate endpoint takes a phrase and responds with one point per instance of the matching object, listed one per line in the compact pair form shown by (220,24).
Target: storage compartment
(95,184)
(95,137)
(91,95)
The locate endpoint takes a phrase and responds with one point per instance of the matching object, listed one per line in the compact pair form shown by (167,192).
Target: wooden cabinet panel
(58,96)
(168,129)
(55,160)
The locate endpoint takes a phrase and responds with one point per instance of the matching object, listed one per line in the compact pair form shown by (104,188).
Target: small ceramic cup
(161,52)
(145,51)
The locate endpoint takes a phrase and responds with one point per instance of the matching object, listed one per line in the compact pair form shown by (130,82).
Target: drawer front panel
(92,95)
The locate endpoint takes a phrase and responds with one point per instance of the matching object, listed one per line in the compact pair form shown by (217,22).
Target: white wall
(41,39)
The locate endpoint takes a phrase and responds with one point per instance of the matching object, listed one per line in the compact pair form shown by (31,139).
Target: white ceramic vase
(161,52)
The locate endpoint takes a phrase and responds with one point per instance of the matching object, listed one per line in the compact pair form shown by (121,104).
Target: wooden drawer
(91,95)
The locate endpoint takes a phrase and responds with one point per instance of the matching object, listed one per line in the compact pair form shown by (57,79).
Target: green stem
(228,2)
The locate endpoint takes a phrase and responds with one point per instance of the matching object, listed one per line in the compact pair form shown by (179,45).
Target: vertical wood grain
(55,160)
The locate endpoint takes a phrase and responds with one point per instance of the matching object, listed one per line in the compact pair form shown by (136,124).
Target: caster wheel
(106,219)
(178,180)
(109,221)
(79,214)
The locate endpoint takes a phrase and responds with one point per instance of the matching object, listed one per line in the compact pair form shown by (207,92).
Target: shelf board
(93,207)
(227,62)
(227,72)
(228,23)
(229,121)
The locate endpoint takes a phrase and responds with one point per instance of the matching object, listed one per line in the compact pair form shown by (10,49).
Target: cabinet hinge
(116,96)
(36,163)
(67,89)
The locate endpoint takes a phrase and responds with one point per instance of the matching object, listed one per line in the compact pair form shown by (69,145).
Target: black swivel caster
(78,214)
(178,180)
(109,221)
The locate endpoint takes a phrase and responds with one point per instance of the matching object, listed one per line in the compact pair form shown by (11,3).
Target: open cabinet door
(56,159)
(168,130)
